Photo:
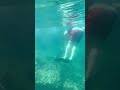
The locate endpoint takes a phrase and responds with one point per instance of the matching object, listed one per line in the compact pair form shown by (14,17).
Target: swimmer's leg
(66,50)
(72,53)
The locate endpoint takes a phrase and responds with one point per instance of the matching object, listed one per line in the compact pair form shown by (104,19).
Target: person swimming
(75,35)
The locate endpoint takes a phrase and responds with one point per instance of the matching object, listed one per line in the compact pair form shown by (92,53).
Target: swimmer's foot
(70,58)
(64,57)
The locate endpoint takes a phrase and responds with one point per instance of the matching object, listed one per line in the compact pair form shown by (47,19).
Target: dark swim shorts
(100,21)
(76,35)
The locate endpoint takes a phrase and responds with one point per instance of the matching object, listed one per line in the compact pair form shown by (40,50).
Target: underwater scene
(52,19)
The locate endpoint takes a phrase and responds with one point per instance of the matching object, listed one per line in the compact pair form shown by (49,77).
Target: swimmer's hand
(65,32)
(66,35)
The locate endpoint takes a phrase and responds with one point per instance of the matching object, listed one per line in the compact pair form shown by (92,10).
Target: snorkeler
(75,34)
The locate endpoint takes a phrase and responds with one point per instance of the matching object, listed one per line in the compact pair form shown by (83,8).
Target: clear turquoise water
(51,17)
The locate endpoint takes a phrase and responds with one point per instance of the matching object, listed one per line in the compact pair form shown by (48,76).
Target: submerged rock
(52,75)
(48,74)
(72,85)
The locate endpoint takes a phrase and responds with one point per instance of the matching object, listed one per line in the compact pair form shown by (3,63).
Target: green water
(51,18)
